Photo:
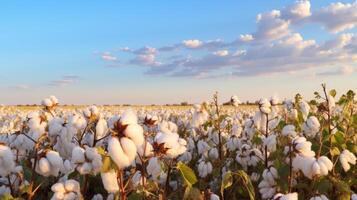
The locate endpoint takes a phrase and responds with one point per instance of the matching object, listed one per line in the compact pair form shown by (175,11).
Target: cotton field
(277,149)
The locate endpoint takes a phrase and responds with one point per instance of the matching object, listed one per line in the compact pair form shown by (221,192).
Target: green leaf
(187,174)
(335,151)
(7,196)
(244,179)
(333,92)
(338,138)
(192,193)
(108,164)
(135,196)
(226,182)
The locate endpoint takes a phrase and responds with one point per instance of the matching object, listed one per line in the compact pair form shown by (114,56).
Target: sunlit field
(272,150)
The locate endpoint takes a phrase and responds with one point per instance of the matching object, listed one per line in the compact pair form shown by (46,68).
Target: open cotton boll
(235,101)
(56,162)
(168,127)
(44,166)
(47,102)
(311,126)
(214,197)
(304,108)
(303,146)
(136,133)
(121,151)
(204,169)
(321,197)
(97,197)
(154,167)
(289,130)
(101,128)
(110,182)
(78,155)
(264,106)
(129,117)
(149,150)
(68,190)
(290,196)
(137,179)
(173,143)
(53,99)
(270,142)
(213,153)
(331,102)
(346,158)
(353,196)
(7,160)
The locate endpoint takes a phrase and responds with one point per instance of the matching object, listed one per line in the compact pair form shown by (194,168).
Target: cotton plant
(271,150)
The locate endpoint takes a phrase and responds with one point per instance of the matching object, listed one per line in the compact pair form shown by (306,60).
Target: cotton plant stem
(329,123)
(266,136)
(290,167)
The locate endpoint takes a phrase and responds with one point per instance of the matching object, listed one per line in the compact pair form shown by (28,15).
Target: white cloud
(192,43)
(299,10)
(221,53)
(337,17)
(246,37)
(275,47)
(107,56)
(270,26)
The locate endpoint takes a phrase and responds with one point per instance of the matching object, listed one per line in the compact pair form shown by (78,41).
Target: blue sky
(74,50)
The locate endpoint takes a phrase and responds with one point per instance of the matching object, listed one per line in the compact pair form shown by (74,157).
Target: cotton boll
(304,108)
(235,101)
(270,142)
(101,128)
(172,142)
(346,158)
(44,166)
(122,153)
(353,196)
(72,185)
(213,153)
(149,150)
(54,100)
(7,159)
(264,106)
(78,155)
(168,127)
(110,182)
(137,179)
(135,133)
(56,162)
(311,126)
(46,102)
(204,169)
(129,117)
(58,188)
(303,147)
(97,197)
(290,196)
(214,197)
(289,130)
(202,147)
(154,167)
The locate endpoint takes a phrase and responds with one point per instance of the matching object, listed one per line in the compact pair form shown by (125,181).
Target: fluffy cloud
(299,10)
(337,17)
(274,47)
(271,26)
(192,43)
